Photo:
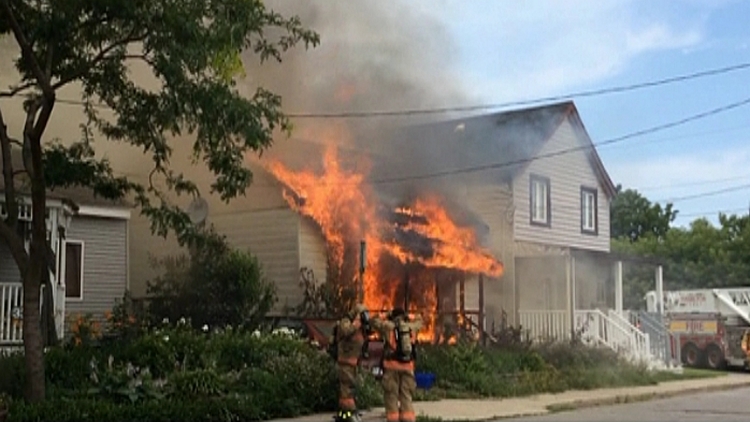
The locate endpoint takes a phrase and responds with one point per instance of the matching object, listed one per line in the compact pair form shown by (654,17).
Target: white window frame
(65,269)
(589,211)
(539,189)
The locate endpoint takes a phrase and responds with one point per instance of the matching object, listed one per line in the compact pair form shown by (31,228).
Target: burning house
(502,217)
(484,216)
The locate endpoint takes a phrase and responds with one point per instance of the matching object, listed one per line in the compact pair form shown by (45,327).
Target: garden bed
(180,374)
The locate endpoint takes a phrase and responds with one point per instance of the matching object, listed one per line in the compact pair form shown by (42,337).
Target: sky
(513,50)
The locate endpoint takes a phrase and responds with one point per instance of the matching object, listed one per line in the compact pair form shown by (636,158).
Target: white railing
(613,332)
(545,325)
(595,327)
(11,305)
(641,346)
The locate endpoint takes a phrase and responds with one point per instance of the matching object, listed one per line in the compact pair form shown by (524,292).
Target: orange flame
(345,208)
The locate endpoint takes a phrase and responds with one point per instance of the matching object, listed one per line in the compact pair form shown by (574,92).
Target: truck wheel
(691,356)
(715,357)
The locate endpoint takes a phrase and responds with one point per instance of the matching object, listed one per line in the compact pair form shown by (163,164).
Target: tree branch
(142,57)
(16,90)
(28,52)
(130,38)
(11,207)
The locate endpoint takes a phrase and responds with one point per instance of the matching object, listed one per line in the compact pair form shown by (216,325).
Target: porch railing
(11,313)
(545,325)
(640,341)
(614,332)
(11,306)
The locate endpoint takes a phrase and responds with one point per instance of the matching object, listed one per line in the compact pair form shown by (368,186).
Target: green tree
(214,285)
(700,256)
(193,47)
(632,216)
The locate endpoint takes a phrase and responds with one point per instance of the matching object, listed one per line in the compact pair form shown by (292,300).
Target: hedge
(178,374)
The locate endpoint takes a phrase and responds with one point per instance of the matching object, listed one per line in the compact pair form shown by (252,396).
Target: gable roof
(505,141)
(78,196)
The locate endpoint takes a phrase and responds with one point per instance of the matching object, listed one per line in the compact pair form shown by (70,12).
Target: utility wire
(440,110)
(494,166)
(689,184)
(703,213)
(707,193)
(580,94)
(611,141)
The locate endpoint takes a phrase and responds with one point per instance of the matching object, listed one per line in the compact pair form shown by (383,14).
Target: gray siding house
(89,241)
(539,195)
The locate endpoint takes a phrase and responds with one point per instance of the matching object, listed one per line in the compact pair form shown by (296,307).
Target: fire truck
(707,325)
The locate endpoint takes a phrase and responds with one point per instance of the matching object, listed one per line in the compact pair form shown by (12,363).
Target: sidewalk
(481,410)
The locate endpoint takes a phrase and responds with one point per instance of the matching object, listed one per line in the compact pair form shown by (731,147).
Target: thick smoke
(373,56)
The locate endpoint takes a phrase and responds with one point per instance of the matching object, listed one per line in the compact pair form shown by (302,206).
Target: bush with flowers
(242,372)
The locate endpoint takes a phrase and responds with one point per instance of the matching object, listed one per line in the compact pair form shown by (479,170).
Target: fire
(404,258)
(457,248)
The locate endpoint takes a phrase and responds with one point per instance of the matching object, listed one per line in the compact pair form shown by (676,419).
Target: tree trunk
(49,330)
(32,331)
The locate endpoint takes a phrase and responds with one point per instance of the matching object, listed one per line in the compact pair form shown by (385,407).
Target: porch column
(618,287)
(571,291)
(482,325)
(659,290)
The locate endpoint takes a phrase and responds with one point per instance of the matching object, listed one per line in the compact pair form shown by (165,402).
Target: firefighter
(346,348)
(399,354)
(745,344)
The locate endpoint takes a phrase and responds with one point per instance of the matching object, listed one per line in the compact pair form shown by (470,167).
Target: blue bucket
(425,380)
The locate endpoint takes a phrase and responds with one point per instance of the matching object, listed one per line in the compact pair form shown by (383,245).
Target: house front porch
(58,219)
(580,294)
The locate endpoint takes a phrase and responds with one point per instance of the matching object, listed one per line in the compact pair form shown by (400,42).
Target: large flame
(346,209)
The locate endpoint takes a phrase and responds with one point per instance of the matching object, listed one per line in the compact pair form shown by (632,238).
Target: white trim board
(105,212)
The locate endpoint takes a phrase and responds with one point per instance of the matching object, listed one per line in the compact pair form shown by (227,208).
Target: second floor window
(73,269)
(540,201)
(589,211)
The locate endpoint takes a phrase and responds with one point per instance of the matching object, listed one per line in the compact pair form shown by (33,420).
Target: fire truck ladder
(737,300)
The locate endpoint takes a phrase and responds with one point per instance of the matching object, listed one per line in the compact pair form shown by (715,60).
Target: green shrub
(197,383)
(12,375)
(175,373)
(214,286)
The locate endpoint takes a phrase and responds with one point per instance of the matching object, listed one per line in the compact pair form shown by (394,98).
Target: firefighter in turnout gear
(349,339)
(399,356)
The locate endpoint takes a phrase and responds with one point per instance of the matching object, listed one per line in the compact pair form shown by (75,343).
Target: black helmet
(396,313)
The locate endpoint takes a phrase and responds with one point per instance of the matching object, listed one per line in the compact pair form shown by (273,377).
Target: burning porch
(418,254)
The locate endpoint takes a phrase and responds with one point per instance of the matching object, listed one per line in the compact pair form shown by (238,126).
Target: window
(589,214)
(540,201)
(73,269)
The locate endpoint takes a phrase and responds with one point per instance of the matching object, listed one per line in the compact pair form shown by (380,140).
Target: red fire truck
(707,326)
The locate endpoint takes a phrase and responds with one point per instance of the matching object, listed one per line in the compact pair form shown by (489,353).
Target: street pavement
(722,406)
(535,406)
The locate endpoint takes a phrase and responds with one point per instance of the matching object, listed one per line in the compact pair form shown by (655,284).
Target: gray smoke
(373,56)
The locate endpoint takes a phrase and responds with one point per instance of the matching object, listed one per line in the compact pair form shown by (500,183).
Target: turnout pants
(399,386)
(347,381)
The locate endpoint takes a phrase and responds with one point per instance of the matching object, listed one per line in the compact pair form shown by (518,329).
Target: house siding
(567,173)
(8,268)
(312,249)
(105,264)
(273,237)
(493,204)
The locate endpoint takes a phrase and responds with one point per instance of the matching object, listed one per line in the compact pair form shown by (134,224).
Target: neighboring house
(260,222)
(542,194)
(89,241)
